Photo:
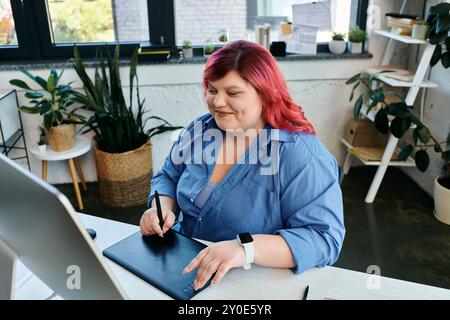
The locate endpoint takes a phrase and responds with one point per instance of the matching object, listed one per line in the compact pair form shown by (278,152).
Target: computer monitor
(40,227)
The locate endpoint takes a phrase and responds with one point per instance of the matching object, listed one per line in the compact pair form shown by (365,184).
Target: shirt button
(199,219)
(192,199)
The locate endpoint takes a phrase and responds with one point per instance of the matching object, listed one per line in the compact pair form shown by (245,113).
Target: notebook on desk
(159,261)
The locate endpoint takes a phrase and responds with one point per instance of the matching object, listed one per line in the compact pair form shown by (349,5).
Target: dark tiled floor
(397,232)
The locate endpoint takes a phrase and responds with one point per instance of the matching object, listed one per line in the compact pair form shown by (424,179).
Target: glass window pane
(98,20)
(7,30)
(203,19)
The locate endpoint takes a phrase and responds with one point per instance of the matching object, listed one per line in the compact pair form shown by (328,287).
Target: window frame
(33,29)
(361,21)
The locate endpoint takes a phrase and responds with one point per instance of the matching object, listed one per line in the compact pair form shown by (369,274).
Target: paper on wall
(303,40)
(317,13)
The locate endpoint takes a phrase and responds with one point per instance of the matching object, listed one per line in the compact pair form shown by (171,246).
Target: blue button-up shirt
(301,200)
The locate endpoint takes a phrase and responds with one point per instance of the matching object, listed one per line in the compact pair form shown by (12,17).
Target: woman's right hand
(150,223)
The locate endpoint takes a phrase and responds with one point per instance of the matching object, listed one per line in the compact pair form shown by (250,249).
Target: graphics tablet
(159,261)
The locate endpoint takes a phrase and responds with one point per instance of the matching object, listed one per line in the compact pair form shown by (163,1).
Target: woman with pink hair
(250,175)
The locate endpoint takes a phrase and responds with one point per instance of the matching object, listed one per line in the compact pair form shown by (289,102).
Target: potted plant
(438,17)
(396,118)
(442,188)
(356,38)
(419,30)
(208,48)
(53,104)
(224,35)
(187,49)
(337,44)
(42,142)
(122,143)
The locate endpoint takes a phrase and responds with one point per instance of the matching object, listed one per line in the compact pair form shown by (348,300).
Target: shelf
(403,84)
(409,162)
(404,39)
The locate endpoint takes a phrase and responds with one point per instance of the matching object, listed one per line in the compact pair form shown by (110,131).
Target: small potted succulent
(356,38)
(224,35)
(208,48)
(187,49)
(337,44)
(419,30)
(42,142)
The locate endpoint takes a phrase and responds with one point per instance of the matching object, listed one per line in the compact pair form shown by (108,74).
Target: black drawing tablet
(159,261)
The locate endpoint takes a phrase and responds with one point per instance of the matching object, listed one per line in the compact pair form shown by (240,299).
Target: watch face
(245,237)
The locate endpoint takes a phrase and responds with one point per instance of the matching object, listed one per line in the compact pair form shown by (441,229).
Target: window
(340,11)
(13,43)
(46,29)
(203,19)
(7,30)
(84,21)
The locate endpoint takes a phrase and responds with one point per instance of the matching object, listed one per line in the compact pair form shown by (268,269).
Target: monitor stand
(8,260)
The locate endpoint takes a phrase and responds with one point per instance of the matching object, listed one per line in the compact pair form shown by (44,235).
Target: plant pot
(188,53)
(355,47)
(442,199)
(62,137)
(419,31)
(337,46)
(208,52)
(42,147)
(124,178)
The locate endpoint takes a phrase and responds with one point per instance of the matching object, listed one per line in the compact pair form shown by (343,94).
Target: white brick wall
(202,19)
(195,20)
(131,20)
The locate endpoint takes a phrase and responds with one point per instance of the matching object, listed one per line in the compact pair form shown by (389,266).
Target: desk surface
(257,283)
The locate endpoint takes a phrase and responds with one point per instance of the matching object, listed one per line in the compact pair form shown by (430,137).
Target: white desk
(258,283)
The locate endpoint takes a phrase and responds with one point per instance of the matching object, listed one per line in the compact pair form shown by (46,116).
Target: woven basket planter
(62,137)
(124,178)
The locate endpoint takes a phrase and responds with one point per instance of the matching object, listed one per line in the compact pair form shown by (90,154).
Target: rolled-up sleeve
(312,212)
(166,179)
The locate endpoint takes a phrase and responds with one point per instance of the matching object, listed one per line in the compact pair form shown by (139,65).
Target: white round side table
(82,146)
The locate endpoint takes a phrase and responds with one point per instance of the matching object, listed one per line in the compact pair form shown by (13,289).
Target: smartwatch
(246,241)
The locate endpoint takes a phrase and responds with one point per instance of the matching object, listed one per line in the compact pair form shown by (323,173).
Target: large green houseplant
(123,145)
(402,116)
(53,102)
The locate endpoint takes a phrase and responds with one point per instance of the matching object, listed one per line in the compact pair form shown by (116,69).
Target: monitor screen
(38,223)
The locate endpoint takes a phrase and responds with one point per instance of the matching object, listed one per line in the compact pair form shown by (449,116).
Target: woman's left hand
(219,257)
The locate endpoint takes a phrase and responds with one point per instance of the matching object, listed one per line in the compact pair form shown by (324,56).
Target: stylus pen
(305,294)
(158,209)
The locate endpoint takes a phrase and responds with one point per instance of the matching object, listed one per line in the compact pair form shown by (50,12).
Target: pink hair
(256,65)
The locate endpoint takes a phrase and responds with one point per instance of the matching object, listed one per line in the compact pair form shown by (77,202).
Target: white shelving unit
(414,86)
(408,163)
(404,84)
(397,37)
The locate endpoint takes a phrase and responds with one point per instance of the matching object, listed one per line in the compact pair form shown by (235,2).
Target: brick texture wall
(198,20)
(131,20)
